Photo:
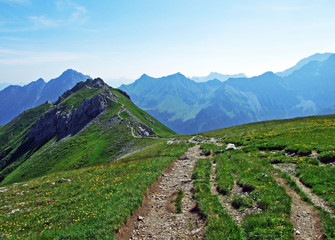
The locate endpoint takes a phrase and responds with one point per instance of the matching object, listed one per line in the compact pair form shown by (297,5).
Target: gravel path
(156,219)
(304,217)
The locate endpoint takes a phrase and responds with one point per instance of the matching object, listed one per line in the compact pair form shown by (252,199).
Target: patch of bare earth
(226,200)
(156,218)
(304,217)
(317,201)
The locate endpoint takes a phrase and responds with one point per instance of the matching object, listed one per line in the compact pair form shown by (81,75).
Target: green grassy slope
(263,144)
(88,203)
(99,142)
(13,134)
(299,134)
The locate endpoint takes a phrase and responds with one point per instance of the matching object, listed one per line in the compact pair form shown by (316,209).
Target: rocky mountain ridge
(58,123)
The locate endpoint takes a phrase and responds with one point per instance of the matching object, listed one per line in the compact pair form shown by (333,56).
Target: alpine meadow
(143,120)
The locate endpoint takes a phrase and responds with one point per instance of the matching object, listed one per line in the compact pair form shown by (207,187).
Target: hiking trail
(156,218)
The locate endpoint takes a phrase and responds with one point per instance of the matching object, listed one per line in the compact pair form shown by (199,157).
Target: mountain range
(218,76)
(15,99)
(187,106)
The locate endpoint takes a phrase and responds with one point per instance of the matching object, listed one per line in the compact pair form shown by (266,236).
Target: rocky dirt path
(156,219)
(304,217)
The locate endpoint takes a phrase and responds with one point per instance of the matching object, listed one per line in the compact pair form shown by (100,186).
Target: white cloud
(42,22)
(70,14)
(9,57)
(79,15)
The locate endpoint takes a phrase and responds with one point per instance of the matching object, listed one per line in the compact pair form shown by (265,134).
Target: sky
(122,39)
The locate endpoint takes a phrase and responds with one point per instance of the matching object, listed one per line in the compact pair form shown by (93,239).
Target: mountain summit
(15,99)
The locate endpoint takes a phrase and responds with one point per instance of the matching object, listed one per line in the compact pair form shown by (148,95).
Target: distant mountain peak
(268,73)
(39,81)
(144,75)
(218,76)
(320,57)
(20,98)
(178,74)
(70,72)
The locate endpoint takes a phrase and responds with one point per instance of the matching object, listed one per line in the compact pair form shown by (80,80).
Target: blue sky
(114,39)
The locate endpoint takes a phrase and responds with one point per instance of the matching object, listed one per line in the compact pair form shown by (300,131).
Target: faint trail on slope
(317,201)
(156,219)
(304,217)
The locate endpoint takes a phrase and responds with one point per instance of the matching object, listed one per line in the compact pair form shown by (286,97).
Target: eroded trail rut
(156,219)
(304,217)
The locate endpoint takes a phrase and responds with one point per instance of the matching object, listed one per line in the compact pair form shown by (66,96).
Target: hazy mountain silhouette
(218,76)
(189,107)
(15,99)
(316,57)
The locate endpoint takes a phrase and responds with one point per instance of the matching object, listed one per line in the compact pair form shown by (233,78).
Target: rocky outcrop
(144,130)
(58,123)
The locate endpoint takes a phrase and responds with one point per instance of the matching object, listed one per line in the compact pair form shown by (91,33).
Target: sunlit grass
(89,203)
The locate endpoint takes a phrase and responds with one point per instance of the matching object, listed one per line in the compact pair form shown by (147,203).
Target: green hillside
(301,148)
(88,203)
(85,185)
(108,137)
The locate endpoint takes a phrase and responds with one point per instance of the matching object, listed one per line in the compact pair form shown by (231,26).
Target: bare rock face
(144,130)
(57,122)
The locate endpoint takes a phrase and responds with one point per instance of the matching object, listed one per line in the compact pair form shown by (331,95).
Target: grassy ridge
(99,142)
(160,129)
(89,203)
(75,99)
